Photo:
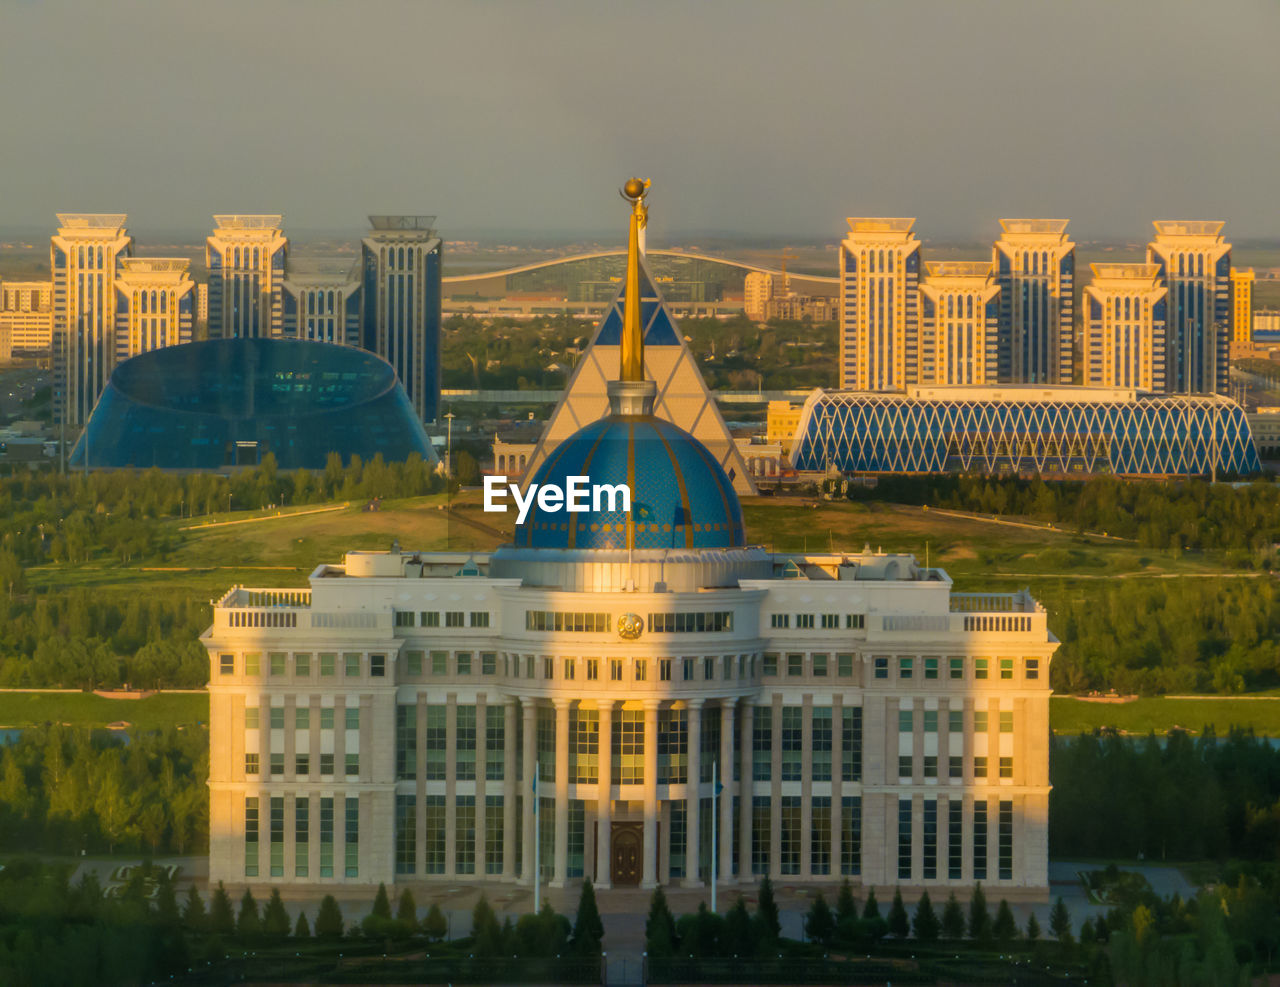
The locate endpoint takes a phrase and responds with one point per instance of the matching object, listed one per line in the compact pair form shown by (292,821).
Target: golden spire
(632,361)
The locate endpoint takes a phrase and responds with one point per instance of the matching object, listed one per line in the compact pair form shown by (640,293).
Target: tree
(302,930)
(166,902)
(466,469)
(953,918)
(846,904)
(819,923)
(767,920)
(248,924)
(193,914)
(329,919)
(485,929)
(221,918)
(588,929)
(1005,929)
(979,917)
(924,925)
(381,904)
(898,924)
(435,925)
(740,939)
(1033,929)
(378,922)
(275,920)
(1060,922)
(407,913)
(871,910)
(660,926)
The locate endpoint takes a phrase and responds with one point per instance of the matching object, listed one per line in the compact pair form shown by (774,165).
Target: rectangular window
(433,812)
(779,620)
(761,836)
(277,836)
(464,739)
(930,765)
(955,766)
(851,743)
(904,839)
(278,660)
(955,840)
(881,667)
(844,666)
(570,666)
(789,838)
(302,717)
(493,851)
(795,665)
(328,661)
(1006,840)
(326,835)
(276,714)
(562,621)
(584,745)
(351,848)
(378,666)
(301,836)
(628,746)
(302,765)
(955,721)
(710,741)
(495,724)
(435,741)
(979,767)
(762,744)
(455,618)
(251,764)
(439,663)
(251,717)
(488,663)
(820,743)
(804,621)
(463,662)
(980,721)
(956,665)
(820,665)
(931,668)
(929,840)
(930,721)
(576,839)
(277,765)
(406,834)
(1033,668)
(1006,721)
(544,739)
(979,841)
(770,663)
(479,618)
(326,765)
(904,767)
(906,721)
(252,663)
(352,765)
(710,622)
(830,620)
(820,836)
(905,667)
(302,665)
(708,669)
(251,837)
(351,663)
(664,669)
(678,837)
(326,717)
(642,669)
(851,835)
(406,742)
(1006,668)
(226,664)
(854,621)
(686,667)
(792,742)
(464,857)
(615,669)
(673,746)
(980,667)
(352,717)
(1006,767)
(593,669)
(430,618)
(405,618)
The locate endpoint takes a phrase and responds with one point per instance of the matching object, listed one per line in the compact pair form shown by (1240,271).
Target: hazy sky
(779,117)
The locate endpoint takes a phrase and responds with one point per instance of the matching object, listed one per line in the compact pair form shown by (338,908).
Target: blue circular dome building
(680,495)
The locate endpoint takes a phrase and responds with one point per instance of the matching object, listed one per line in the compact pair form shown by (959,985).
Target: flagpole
(537,843)
(715,829)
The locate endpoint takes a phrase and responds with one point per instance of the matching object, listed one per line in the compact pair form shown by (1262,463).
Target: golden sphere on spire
(634,189)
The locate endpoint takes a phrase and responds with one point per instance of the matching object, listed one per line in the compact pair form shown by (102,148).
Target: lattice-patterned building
(402,717)
(1069,431)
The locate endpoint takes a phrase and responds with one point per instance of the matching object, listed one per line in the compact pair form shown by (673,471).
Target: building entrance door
(628,851)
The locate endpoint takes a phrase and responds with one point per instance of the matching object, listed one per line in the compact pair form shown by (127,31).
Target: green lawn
(24,709)
(1141,716)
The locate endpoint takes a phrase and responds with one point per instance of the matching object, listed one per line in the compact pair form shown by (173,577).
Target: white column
(649,875)
(529,710)
(560,868)
(509,789)
(604,800)
(692,830)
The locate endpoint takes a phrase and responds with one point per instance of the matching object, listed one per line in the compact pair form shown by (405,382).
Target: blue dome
(681,497)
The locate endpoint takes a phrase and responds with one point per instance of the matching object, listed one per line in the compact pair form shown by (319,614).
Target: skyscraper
(879,275)
(959,306)
(155,303)
(322,302)
(245,256)
(1194,265)
(402,315)
(26,314)
(1125,337)
(757,289)
(1242,305)
(83,256)
(1034,264)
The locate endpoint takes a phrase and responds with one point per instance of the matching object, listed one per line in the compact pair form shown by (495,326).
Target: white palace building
(672,689)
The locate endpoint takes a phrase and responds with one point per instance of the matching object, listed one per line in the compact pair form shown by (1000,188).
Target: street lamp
(448,445)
